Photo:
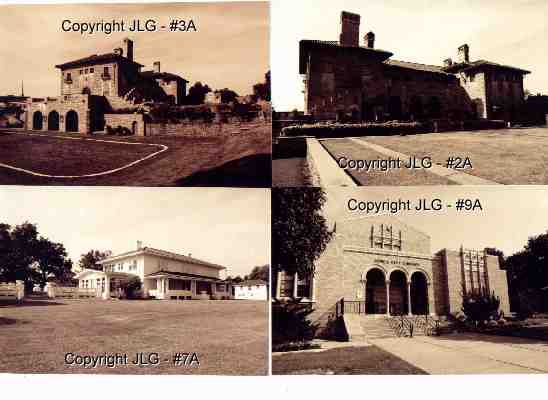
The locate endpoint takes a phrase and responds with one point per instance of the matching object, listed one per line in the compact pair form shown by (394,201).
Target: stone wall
(92,78)
(134,122)
(61,106)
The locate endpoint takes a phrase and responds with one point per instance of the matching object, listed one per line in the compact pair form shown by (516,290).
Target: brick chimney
(350,29)
(156,66)
(369,40)
(128,49)
(464,54)
(139,245)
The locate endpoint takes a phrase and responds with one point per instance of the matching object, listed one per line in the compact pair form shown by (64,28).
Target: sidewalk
(470,354)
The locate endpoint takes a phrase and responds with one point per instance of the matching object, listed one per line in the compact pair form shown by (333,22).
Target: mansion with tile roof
(96,90)
(343,79)
(164,276)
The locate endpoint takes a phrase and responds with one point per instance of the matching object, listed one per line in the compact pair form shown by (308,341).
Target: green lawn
(395,177)
(234,157)
(369,360)
(507,156)
(228,337)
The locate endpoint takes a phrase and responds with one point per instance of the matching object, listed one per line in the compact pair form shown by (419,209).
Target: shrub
(131,287)
(481,307)
(290,323)
(363,129)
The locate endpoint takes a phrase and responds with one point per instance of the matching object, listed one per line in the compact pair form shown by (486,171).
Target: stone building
(343,79)
(103,87)
(383,266)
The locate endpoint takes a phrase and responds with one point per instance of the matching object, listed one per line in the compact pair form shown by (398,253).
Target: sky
(511,214)
(504,31)
(230,48)
(210,223)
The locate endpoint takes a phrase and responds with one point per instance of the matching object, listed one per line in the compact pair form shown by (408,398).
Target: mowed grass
(394,177)
(229,337)
(239,159)
(369,360)
(507,156)
(76,156)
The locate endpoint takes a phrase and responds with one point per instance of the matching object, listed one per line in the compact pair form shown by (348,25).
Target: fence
(69,292)
(12,291)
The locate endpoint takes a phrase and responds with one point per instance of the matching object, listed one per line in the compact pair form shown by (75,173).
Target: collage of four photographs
(268,188)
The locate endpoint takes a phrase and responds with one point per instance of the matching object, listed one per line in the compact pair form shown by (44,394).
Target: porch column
(409,312)
(193,288)
(295,280)
(106,292)
(431,301)
(387,297)
(364,282)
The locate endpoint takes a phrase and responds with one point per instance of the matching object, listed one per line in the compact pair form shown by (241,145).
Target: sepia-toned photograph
(399,93)
(134,281)
(160,94)
(409,281)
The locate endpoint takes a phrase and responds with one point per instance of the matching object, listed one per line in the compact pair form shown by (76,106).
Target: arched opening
(434,107)
(398,293)
(53,121)
(134,128)
(394,108)
(415,108)
(419,293)
(37,120)
(86,90)
(375,292)
(71,121)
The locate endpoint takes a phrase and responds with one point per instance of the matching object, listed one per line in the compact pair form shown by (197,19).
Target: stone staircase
(363,327)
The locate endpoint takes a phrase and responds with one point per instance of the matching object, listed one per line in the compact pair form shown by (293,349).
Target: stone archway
(71,121)
(398,293)
(37,121)
(419,293)
(375,291)
(53,121)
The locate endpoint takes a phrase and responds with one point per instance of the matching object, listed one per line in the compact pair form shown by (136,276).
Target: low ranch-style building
(254,289)
(383,267)
(164,275)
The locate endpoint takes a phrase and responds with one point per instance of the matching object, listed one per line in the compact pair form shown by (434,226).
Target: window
(120,267)
(178,284)
(85,71)
(69,76)
(286,285)
(105,71)
(133,265)
(153,284)
(91,70)
(81,72)
(303,288)
(220,287)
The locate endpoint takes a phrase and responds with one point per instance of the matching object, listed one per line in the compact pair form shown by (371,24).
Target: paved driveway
(470,354)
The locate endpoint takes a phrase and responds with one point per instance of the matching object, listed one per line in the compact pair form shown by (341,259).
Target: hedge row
(388,128)
(363,129)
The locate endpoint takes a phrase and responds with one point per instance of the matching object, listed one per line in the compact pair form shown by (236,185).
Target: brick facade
(359,82)
(368,255)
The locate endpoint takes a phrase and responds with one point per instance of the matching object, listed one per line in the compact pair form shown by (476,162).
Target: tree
(227,95)
(197,93)
(31,258)
(260,273)
(480,307)
(131,287)
(90,259)
(50,259)
(528,274)
(262,90)
(299,230)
